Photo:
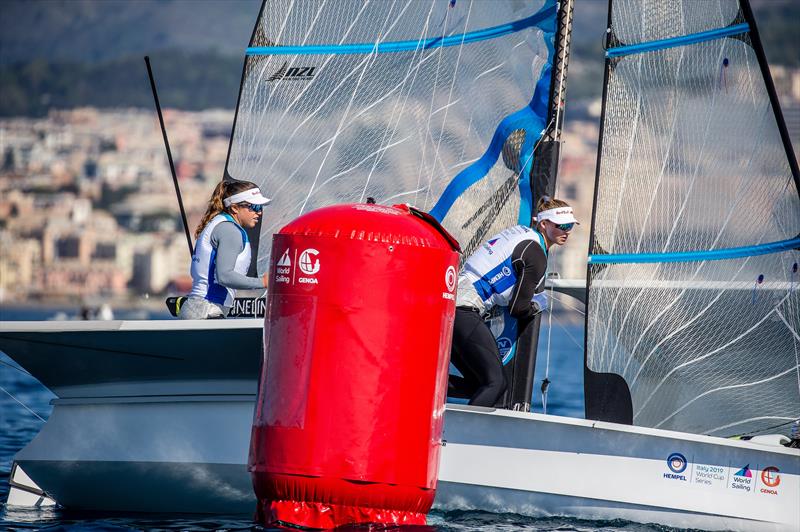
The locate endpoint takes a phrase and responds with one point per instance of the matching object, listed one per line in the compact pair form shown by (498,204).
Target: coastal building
(91,189)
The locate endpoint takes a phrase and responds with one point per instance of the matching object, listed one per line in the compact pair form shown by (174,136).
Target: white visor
(559,215)
(252,196)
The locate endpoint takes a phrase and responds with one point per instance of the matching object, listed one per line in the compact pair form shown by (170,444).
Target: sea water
(25,405)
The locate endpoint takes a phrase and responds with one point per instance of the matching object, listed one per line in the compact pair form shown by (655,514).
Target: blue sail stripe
(539,105)
(405,46)
(694,256)
(526,119)
(683,40)
(531,118)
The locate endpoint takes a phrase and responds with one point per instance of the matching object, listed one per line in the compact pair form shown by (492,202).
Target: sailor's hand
(539,302)
(265,280)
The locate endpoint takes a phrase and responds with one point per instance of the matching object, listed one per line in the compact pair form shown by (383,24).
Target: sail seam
(724,388)
(415,64)
(693,256)
(705,356)
(750,420)
(683,40)
(409,45)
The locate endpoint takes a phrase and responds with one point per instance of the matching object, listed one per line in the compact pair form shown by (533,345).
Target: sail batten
(403,46)
(694,256)
(684,40)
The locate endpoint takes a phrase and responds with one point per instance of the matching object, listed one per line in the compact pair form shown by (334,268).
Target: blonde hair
(224,189)
(546,202)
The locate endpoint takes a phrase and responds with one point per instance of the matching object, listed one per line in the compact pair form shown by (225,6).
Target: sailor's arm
(228,240)
(530,265)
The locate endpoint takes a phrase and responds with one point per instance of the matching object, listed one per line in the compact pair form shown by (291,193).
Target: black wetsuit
(474,352)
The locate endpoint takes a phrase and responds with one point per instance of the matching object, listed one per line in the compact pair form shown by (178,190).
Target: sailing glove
(539,302)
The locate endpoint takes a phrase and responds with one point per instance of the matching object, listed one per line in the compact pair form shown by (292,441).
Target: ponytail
(224,189)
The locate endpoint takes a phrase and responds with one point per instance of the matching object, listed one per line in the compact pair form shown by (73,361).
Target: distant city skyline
(99,172)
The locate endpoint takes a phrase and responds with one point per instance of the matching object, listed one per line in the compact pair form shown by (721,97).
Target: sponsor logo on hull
(771,480)
(710,475)
(742,480)
(677,464)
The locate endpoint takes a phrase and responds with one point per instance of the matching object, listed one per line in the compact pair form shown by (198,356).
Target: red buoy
(348,420)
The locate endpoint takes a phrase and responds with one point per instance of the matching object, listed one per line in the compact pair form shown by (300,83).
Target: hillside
(69,53)
(97,31)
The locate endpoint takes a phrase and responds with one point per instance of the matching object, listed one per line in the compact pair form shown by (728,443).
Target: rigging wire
(571,307)
(24,372)
(572,338)
(546,381)
(12,366)
(23,405)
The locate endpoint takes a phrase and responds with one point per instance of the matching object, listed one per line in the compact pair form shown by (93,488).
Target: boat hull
(532,464)
(169,444)
(155,455)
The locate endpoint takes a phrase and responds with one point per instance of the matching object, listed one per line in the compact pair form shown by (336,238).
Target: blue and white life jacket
(488,278)
(204,264)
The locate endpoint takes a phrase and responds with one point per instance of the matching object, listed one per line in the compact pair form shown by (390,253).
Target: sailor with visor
(506,271)
(222,252)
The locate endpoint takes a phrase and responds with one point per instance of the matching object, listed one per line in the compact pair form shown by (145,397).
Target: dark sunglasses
(255,208)
(565,227)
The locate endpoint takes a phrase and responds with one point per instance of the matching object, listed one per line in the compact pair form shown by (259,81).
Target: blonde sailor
(506,271)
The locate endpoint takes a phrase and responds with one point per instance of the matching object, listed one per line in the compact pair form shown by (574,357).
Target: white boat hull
(182,446)
(533,464)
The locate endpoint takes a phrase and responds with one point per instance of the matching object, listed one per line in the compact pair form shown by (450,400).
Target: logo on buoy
(284,268)
(309,263)
(450,278)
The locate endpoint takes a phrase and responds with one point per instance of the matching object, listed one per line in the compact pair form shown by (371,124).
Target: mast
(544,171)
(169,155)
(755,40)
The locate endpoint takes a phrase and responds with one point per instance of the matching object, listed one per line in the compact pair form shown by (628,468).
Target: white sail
(349,99)
(694,293)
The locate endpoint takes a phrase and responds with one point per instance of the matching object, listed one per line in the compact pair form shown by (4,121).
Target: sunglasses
(255,208)
(565,227)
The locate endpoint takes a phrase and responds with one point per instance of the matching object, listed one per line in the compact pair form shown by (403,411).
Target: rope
(573,307)
(572,338)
